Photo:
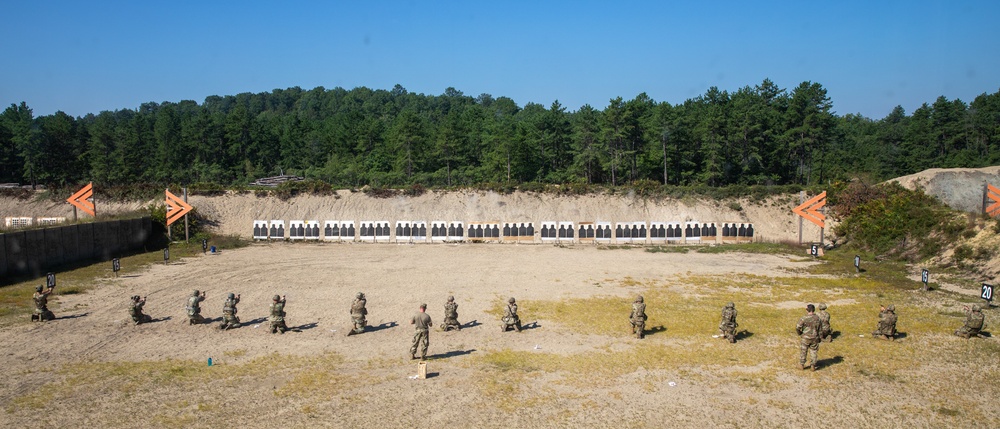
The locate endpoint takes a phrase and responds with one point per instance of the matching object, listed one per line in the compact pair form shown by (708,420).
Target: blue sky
(86,57)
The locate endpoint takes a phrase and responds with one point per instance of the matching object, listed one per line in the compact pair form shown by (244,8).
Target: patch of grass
(238,353)
(667,249)
(760,248)
(307,378)
(614,247)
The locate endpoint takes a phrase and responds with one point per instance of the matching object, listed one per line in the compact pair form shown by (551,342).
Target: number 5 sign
(987,292)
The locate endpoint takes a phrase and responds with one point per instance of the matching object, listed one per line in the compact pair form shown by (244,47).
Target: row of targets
(551,231)
(303,230)
(484,231)
(737,232)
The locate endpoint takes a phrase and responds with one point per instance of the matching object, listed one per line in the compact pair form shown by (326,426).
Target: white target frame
(585,232)
(439,231)
(312,230)
(654,236)
(260,226)
(695,235)
(280,232)
(293,226)
(456,231)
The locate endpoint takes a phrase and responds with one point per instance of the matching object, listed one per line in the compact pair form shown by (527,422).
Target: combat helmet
(276,298)
(231,295)
(195,292)
(38,288)
(451,298)
(730,305)
(511,300)
(822,306)
(891,308)
(638,298)
(976,307)
(360,295)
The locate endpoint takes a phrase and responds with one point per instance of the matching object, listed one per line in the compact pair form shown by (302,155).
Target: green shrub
(890,219)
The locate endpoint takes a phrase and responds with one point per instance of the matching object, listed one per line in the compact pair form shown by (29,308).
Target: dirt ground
(93,367)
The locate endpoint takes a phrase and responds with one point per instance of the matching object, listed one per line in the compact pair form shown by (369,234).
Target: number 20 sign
(987,292)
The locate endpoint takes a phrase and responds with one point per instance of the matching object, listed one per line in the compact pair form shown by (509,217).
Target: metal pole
(186,236)
(170,236)
(985,191)
(802,199)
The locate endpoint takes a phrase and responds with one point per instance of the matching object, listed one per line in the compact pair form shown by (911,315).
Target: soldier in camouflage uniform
(41,299)
(422,323)
(358,313)
(135,310)
(886,327)
(974,322)
(510,320)
(825,332)
(638,317)
(808,328)
(451,316)
(728,323)
(229,318)
(278,315)
(194,307)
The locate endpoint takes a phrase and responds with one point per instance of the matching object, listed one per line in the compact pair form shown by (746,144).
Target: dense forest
(756,135)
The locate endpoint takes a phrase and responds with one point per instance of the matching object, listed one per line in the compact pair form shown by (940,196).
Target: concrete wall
(36,251)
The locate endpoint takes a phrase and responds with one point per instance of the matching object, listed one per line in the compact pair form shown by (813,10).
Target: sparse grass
(305,378)
(668,249)
(764,248)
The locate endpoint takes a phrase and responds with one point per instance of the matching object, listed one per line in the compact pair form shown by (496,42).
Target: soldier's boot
(423,357)
(413,356)
(803,366)
(812,367)
(35,317)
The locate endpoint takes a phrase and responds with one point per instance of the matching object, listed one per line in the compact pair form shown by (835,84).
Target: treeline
(757,135)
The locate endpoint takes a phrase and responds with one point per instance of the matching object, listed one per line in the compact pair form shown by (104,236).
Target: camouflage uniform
(358,313)
(278,315)
(808,328)
(510,319)
(451,316)
(638,317)
(41,299)
(229,318)
(728,323)
(135,310)
(825,332)
(194,308)
(974,321)
(422,323)
(886,327)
